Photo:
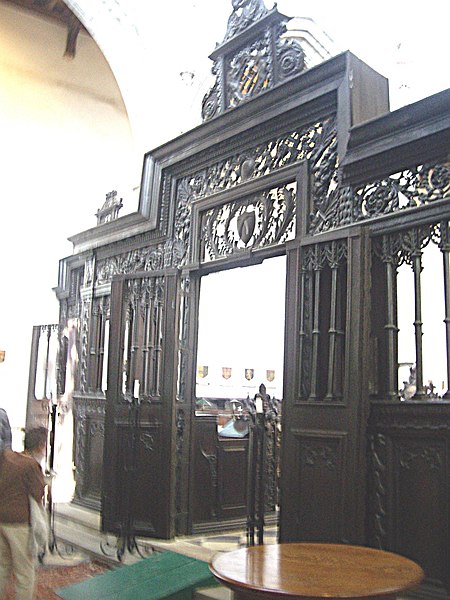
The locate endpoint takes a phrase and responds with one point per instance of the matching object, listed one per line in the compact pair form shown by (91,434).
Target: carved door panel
(323,444)
(138,484)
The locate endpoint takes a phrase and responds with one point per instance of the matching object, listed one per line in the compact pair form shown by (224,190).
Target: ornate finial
(245,13)
(110,209)
(253,57)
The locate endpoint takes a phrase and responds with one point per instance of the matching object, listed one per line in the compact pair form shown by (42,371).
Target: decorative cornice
(410,415)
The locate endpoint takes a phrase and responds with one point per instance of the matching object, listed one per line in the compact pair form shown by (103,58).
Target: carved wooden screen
(139,442)
(319,419)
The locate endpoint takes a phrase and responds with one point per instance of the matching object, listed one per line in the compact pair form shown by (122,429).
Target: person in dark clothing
(20,477)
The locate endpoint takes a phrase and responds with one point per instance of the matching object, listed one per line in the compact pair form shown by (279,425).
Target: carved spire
(110,209)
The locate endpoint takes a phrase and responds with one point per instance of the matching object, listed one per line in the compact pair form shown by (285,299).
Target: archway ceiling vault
(55,10)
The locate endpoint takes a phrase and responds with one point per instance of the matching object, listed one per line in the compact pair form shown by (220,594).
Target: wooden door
(323,476)
(138,482)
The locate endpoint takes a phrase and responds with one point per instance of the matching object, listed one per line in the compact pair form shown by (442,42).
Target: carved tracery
(322,320)
(144,303)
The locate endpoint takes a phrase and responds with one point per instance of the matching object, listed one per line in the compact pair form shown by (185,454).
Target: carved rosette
(290,56)
(322,455)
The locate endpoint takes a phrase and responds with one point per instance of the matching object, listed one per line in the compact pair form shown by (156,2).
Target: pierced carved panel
(252,163)
(400,248)
(258,221)
(334,205)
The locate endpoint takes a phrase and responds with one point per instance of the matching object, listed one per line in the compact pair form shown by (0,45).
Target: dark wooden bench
(165,575)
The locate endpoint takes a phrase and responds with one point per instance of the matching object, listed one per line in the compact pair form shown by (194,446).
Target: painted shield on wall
(226,372)
(249,374)
(270,374)
(202,371)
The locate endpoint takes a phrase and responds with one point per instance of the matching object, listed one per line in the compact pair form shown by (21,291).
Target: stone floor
(56,572)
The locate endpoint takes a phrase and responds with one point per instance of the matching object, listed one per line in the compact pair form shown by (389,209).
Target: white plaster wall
(65,142)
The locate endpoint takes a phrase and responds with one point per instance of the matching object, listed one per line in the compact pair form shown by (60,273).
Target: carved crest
(246,225)
(252,58)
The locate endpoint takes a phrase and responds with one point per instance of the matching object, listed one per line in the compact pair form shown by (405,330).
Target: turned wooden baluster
(445,249)
(332,330)
(317,266)
(302,329)
(416,263)
(146,346)
(390,260)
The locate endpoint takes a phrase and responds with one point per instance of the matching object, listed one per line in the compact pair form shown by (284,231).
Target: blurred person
(5,430)
(21,477)
(35,443)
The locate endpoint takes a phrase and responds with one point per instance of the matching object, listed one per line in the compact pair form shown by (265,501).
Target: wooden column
(445,249)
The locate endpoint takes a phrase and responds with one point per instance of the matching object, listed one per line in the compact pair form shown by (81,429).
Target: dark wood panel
(89,435)
(410,484)
(232,458)
(204,477)
(219,476)
(320,468)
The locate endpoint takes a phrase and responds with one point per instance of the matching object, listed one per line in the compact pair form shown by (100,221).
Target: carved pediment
(253,57)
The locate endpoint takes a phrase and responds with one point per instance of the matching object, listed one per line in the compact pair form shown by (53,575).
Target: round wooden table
(314,571)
